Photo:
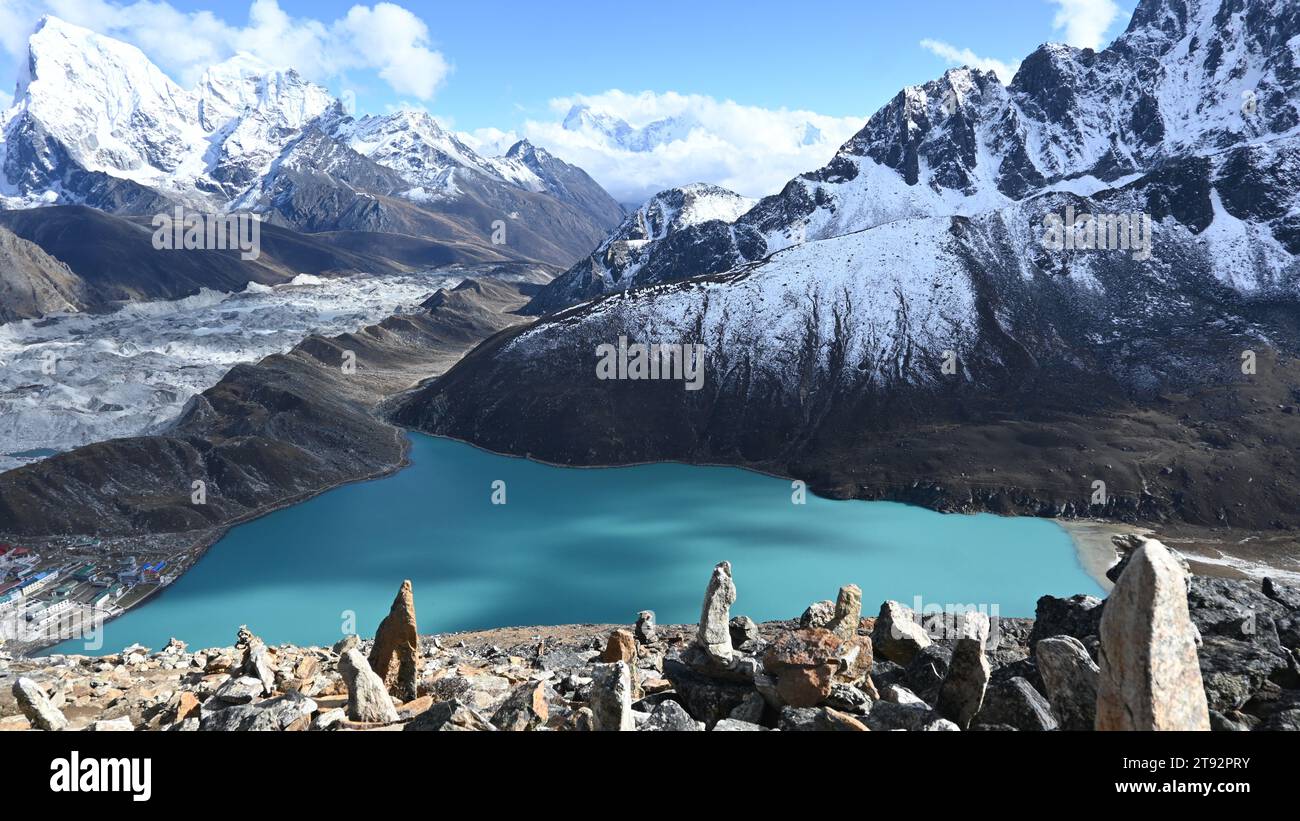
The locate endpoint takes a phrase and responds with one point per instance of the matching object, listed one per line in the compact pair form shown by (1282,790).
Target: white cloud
(490,142)
(694,138)
(1085,21)
(384,38)
(966,57)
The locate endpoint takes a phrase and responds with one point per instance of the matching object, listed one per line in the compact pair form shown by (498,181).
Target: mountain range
(95,124)
(897,325)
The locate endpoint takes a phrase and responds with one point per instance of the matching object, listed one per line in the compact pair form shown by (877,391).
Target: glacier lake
(583,546)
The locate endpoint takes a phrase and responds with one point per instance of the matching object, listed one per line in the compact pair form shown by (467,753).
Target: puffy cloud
(384,38)
(637,144)
(966,57)
(1085,21)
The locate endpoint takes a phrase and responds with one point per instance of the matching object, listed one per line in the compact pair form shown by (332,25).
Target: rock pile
(1163,652)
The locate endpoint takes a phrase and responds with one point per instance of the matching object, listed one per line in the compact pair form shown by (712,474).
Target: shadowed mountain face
(100,258)
(905,323)
(32,283)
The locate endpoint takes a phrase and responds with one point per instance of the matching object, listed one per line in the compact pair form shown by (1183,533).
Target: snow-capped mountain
(904,302)
(1186,78)
(95,123)
(645,247)
(618,133)
(94,117)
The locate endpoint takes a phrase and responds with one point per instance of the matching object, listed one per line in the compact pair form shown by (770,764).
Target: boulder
(962,693)
(241,690)
(368,698)
(848,613)
(1078,616)
(1016,703)
(1234,671)
(804,663)
(620,647)
(395,656)
(186,706)
(1285,595)
(1150,677)
(117,725)
(750,709)
(715,615)
(855,662)
(345,644)
(450,717)
(1070,677)
(36,706)
(818,719)
(898,636)
(526,708)
(818,614)
(908,715)
(670,716)
(705,697)
(732,725)
(646,632)
(927,670)
(744,634)
(292,710)
(611,697)
(848,698)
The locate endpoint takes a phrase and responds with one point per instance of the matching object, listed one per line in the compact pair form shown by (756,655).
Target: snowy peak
(106,103)
(245,84)
(677,233)
(617,132)
(690,205)
(412,143)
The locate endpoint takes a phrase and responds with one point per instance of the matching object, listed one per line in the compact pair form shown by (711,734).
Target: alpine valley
(1074,296)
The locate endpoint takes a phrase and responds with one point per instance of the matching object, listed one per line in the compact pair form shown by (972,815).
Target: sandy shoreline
(1092,543)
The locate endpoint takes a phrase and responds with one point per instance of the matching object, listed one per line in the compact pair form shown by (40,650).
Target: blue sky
(508,68)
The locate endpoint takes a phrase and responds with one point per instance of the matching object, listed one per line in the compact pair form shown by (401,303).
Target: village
(60,589)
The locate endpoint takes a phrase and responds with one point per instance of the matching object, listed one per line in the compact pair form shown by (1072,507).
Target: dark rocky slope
(32,283)
(112,258)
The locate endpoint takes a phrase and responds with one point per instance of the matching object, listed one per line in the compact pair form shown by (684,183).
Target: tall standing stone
(848,612)
(611,697)
(715,615)
(257,661)
(395,658)
(1150,678)
(368,700)
(962,693)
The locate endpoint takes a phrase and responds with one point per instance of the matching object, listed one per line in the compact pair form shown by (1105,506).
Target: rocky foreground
(1164,651)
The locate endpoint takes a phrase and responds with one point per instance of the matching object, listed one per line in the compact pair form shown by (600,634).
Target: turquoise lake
(584,545)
